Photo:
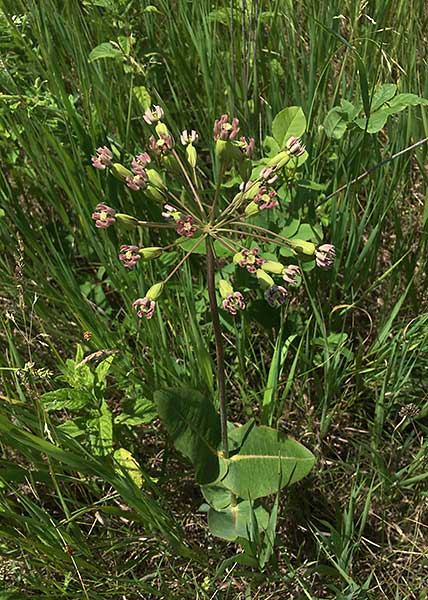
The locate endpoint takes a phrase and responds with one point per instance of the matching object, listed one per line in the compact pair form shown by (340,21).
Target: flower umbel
(103,216)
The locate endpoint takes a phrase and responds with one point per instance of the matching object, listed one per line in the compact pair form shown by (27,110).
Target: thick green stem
(218,346)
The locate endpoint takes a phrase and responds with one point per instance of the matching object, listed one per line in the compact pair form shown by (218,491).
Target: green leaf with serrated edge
(291,121)
(266,462)
(103,368)
(235,521)
(104,50)
(194,425)
(129,464)
(66,398)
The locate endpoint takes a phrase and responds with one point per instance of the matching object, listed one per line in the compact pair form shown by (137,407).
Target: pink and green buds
(153,115)
(267,173)
(189,138)
(129,255)
(290,273)
(294,146)
(265,199)
(145,307)
(232,301)
(103,158)
(276,295)
(325,256)
(170,213)
(104,216)
(249,259)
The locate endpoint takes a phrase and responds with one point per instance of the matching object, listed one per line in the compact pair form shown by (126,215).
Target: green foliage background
(73,524)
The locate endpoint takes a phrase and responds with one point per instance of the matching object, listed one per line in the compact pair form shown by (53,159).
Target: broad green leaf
(136,412)
(290,228)
(376,121)
(143,96)
(194,425)
(266,462)
(218,497)
(236,521)
(290,121)
(101,432)
(383,94)
(402,101)
(129,464)
(335,123)
(270,146)
(104,50)
(66,398)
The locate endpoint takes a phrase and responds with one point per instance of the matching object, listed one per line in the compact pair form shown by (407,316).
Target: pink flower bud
(276,295)
(325,256)
(144,307)
(186,226)
(248,146)
(234,302)
(289,274)
(103,216)
(294,146)
(103,158)
(265,199)
(137,182)
(129,255)
(250,260)
(266,173)
(140,162)
(153,115)
(187,138)
(223,130)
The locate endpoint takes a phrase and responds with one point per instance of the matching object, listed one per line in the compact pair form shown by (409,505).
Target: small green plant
(218,216)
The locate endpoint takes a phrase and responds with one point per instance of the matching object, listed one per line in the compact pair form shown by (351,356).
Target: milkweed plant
(212,202)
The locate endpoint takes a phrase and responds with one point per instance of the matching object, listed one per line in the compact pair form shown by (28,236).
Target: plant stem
(185,257)
(189,181)
(218,346)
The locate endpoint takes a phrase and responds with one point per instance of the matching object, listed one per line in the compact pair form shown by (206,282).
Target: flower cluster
(208,217)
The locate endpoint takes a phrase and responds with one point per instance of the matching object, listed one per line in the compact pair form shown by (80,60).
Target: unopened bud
(303,247)
(150,253)
(191,155)
(126,221)
(225,288)
(272,266)
(252,209)
(155,291)
(264,279)
(120,171)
